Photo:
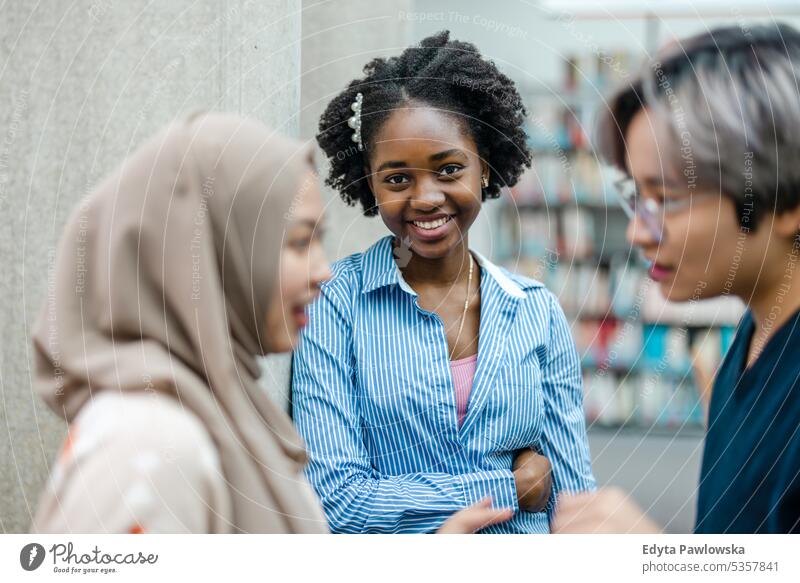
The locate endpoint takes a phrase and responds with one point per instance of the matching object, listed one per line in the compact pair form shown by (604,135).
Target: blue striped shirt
(373,397)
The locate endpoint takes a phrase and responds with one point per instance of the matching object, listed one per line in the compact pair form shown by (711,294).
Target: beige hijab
(162,281)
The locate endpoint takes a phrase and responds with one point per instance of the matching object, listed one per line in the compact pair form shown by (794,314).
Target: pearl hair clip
(355,121)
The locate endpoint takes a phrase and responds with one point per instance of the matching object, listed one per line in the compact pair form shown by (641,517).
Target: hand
(476,517)
(532,476)
(603,512)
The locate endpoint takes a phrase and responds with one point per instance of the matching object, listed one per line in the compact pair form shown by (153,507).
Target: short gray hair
(731,98)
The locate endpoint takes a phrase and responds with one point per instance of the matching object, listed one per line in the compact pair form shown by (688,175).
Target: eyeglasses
(649,210)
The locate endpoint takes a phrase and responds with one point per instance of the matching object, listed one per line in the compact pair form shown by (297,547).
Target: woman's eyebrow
(391,164)
(309,223)
(660,182)
(433,158)
(446,154)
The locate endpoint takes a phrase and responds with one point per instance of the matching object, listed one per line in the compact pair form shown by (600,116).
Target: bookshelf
(562,225)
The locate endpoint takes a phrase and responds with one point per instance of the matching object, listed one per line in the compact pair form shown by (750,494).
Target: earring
(485,181)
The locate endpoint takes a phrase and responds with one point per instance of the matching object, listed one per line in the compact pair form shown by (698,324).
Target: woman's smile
(431,227)
(300,317)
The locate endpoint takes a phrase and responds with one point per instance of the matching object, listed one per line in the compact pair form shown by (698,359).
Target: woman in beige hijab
(199,254)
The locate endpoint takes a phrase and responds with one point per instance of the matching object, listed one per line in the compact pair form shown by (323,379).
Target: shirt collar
(380,270)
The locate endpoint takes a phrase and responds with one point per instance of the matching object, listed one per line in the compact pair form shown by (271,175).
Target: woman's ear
(787,224)
(484,169)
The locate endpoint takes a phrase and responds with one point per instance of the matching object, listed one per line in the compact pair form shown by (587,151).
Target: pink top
(463,372)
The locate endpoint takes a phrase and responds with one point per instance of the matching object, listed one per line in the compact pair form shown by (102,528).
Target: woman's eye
(449,169)
(396,179)
(300,244)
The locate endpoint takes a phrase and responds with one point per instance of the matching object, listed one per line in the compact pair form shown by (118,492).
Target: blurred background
(83,83)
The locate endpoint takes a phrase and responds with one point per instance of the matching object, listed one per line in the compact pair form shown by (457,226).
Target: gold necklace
(466,305)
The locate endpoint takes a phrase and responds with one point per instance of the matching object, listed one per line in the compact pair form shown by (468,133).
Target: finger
(480,518)
(482,503)
(479,515)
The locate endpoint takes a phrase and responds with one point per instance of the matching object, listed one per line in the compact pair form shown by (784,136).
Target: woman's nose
(426,196)
(320,268)
(639,234)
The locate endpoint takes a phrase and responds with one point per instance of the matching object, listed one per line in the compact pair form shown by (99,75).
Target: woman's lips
(432,234)
(300,317)
(659,272)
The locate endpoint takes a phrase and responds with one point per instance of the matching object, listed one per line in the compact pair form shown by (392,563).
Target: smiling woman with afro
(428,379)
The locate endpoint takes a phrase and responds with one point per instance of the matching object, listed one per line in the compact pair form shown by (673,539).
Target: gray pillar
(82,84)
(338,40)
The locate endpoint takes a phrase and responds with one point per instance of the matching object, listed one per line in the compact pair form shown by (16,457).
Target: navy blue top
(750,479)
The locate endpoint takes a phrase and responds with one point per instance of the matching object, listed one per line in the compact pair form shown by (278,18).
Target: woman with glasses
(709,138)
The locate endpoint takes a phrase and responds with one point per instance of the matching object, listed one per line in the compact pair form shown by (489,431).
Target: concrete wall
(82,84)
